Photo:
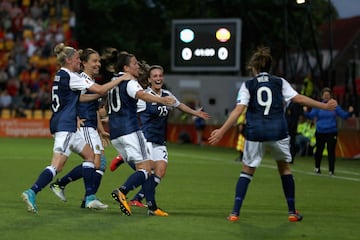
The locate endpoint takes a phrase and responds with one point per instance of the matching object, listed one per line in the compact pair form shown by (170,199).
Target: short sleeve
(133,87)
(79,83)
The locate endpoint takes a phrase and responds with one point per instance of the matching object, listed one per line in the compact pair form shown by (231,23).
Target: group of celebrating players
(137,107)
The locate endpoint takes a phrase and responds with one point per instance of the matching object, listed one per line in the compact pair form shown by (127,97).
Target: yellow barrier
(29,114)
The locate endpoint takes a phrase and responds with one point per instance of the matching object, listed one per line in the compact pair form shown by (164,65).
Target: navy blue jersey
(88,110)
(265,97)
(123,109)
(64,104)
(153,118)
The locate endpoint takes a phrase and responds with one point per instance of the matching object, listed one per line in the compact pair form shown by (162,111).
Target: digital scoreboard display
(206,45)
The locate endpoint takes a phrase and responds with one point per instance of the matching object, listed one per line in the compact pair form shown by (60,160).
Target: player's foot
(116,162)
(233,217)
(58,190)
(295,217)
(331,173)
(137,203)
(92,202)
(29,197)
(121,199)
(158,212)
(317,171)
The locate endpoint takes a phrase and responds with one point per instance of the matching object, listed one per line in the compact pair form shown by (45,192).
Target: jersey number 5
(55,99)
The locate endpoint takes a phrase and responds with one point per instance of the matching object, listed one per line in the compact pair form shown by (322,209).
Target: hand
(169,101)
(203,115)
(351,109)
(331,104)
(80,122)
(215,137)
(126,76)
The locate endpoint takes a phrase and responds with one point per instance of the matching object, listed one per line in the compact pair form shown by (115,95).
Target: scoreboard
(206,45)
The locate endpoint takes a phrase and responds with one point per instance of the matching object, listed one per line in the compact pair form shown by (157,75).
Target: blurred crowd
(29,31)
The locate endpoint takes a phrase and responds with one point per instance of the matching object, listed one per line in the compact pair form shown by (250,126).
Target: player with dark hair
(127,137)
(153,118)
(326,130)
(264,98)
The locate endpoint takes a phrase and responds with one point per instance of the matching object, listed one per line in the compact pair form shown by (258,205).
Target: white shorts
(157,152)
(254,151)
(92,137)
(132,147)
(67,142)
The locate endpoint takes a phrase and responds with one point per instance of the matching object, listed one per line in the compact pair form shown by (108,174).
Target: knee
(161,173)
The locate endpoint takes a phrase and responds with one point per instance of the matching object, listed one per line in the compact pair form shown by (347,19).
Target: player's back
(122,111)
(265,112)
(64,104)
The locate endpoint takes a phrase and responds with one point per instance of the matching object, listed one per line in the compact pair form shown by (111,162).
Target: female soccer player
(264,97)
(153,118)
(126,136)
(90,127)
(65,93)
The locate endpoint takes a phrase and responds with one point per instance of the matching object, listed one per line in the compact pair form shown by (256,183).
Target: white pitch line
(202,157)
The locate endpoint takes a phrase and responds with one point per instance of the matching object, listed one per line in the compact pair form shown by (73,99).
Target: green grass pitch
(197,192)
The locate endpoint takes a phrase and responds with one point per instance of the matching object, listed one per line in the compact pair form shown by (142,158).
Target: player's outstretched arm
(198,113)
(306,101)
(147,97)
(218,134)
(102,89)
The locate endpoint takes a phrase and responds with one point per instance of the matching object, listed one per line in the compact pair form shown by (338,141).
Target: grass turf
(197,192)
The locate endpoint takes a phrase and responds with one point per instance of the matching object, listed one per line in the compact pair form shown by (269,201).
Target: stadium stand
(29,30)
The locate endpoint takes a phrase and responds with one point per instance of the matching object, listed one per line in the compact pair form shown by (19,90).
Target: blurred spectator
(20,56)
(15,10)
(17,105)
(72,21)
(11,68)
(28,22)
(43,100)
(308,86)
(35,10)
(28,99)
(5,99)
(305,138)
(3,78)
(326,130)
(17,24)
(13,86)
(5,5)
